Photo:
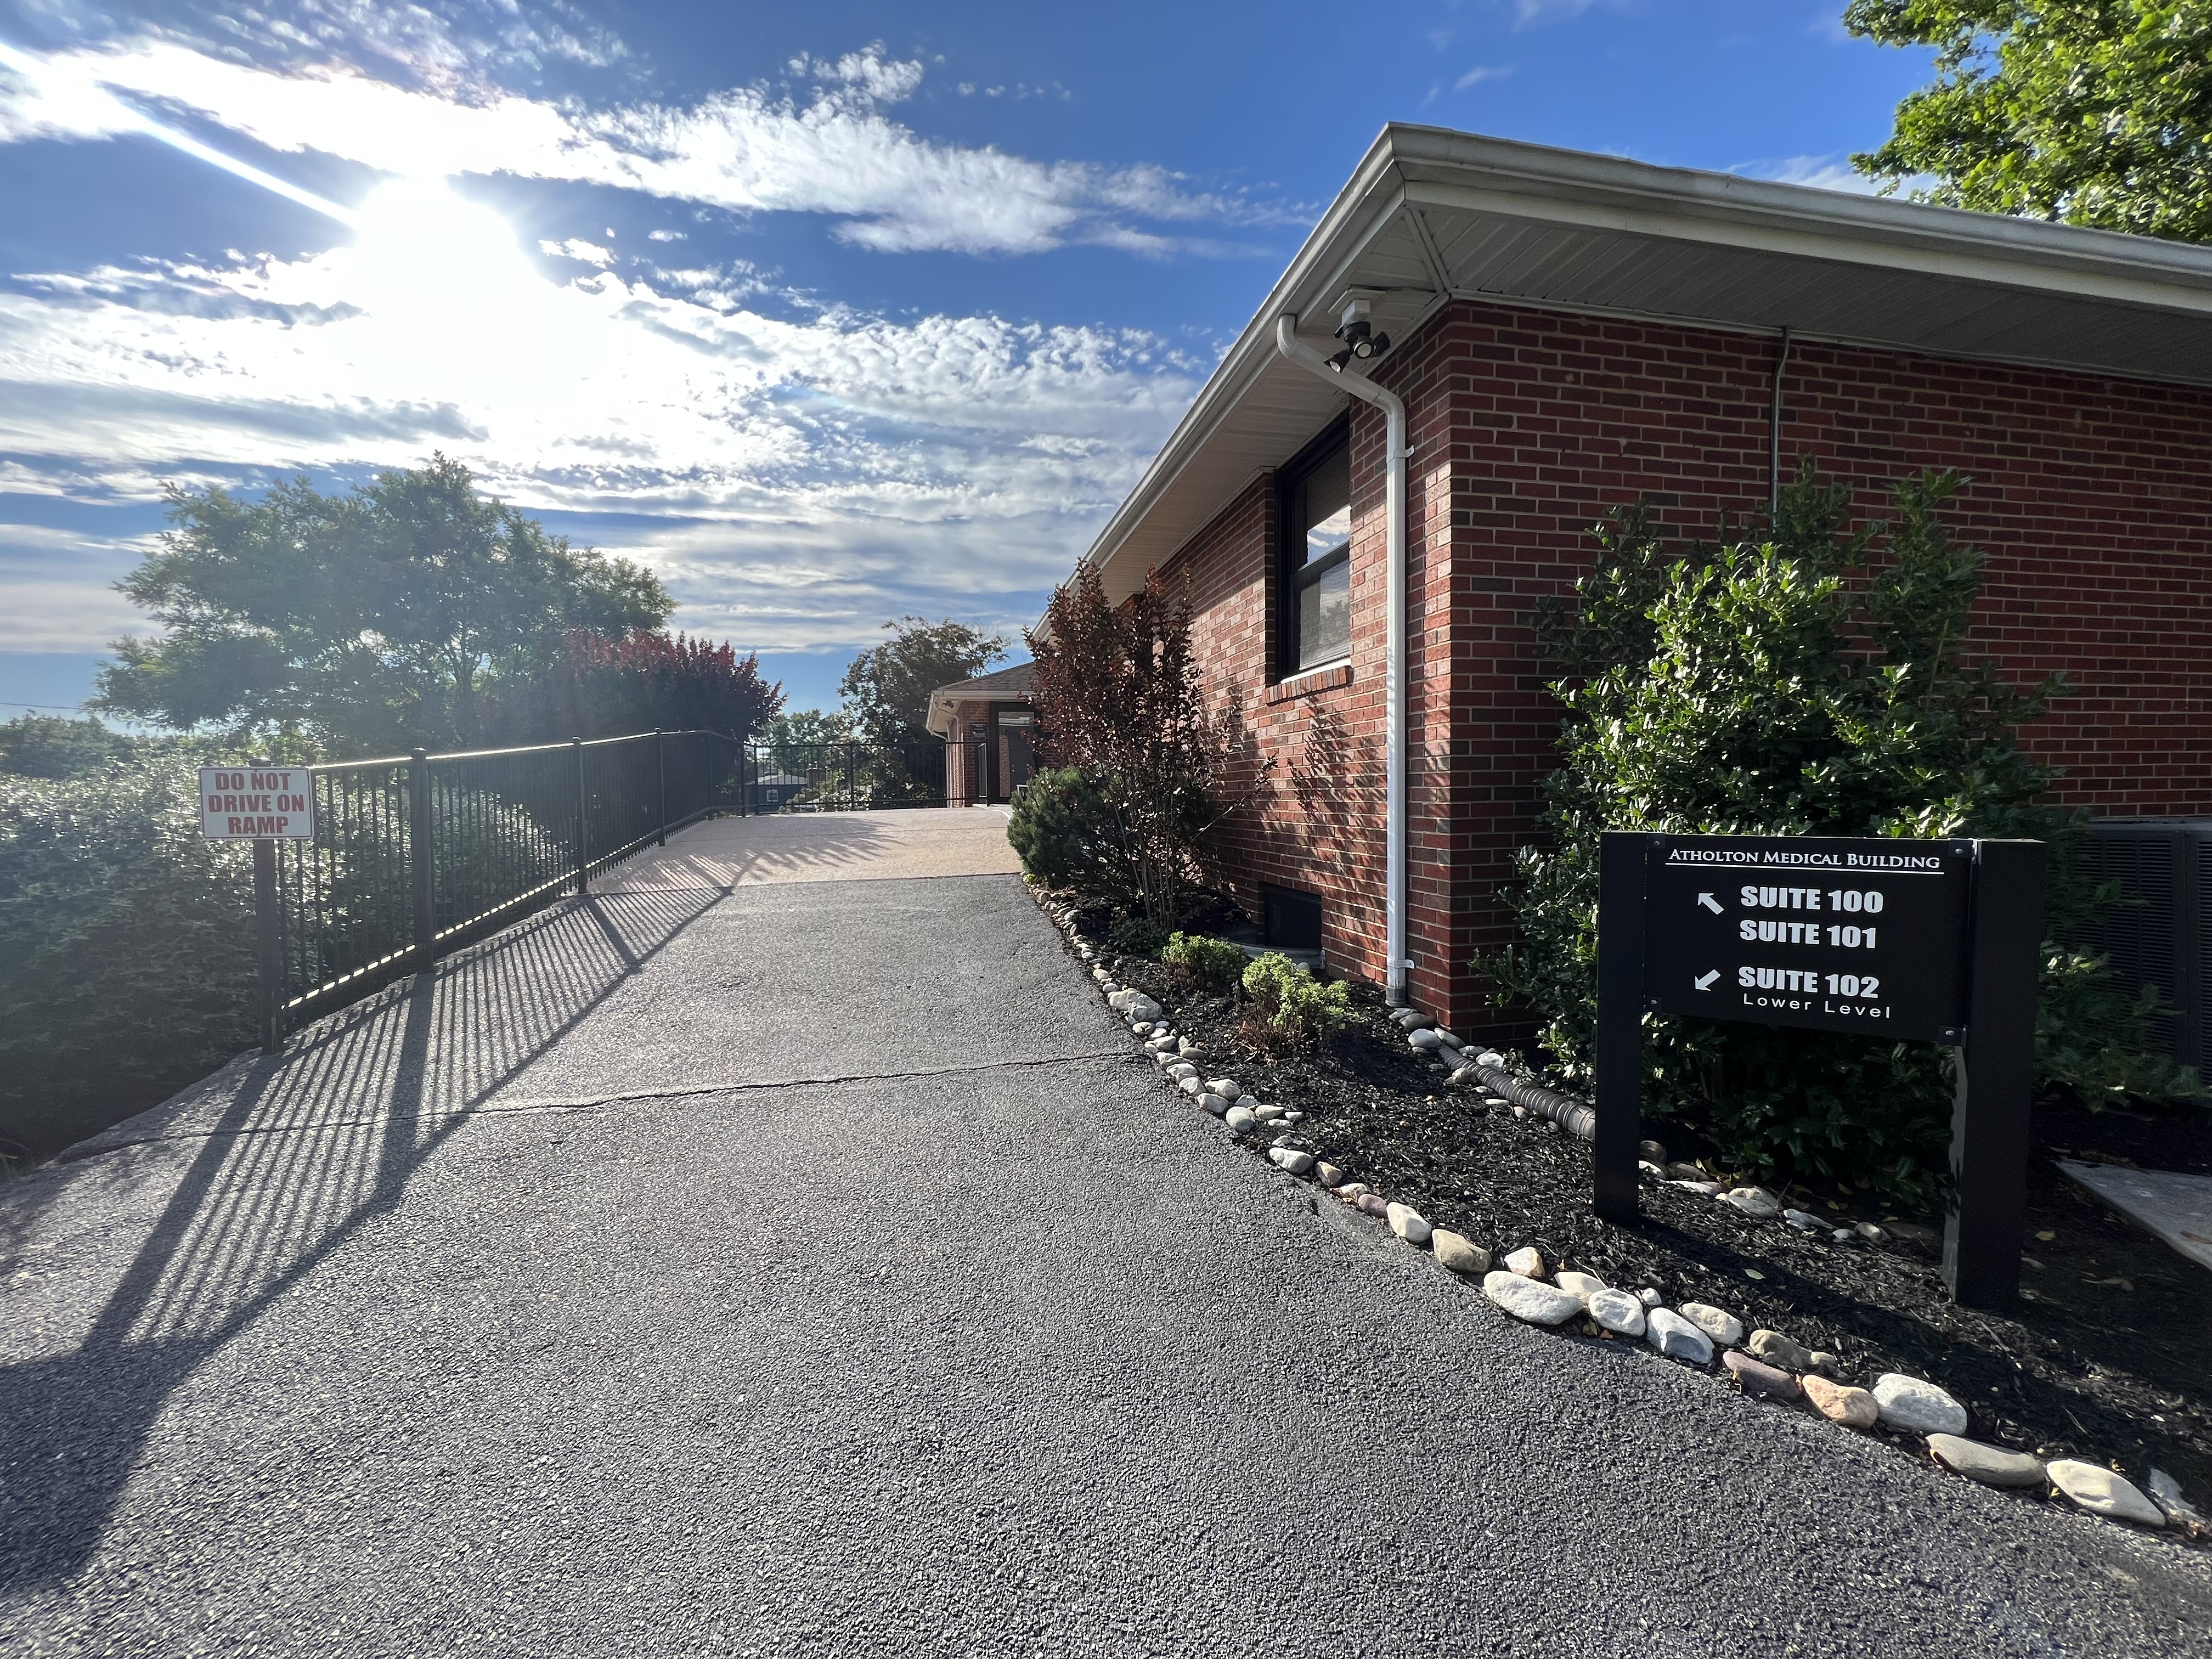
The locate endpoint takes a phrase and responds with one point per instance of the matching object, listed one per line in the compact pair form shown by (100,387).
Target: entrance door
(1017,754)
(1019,762)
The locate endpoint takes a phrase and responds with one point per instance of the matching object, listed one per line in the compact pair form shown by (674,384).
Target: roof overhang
(1433,216)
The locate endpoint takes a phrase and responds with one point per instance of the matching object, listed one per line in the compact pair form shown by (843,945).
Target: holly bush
(1814,684)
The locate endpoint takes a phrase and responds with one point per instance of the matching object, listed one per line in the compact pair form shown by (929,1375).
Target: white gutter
(1394,655)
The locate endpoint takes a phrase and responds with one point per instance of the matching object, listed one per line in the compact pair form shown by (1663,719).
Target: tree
(1816,684)
(2092,112)
(803,728)
(886,691)
(376,620)
(638,681)
(41,746)
(1119,698)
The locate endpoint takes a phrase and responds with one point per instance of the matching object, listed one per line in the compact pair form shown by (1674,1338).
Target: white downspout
(1394,656)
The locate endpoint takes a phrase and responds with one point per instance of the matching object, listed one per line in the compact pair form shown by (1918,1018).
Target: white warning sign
(249,804)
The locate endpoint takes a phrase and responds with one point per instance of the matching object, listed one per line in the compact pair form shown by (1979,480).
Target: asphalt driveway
(813,1266)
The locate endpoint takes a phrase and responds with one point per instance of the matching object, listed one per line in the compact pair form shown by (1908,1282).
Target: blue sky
(827,312)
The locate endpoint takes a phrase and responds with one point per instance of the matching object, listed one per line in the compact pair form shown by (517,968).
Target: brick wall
(1526,425)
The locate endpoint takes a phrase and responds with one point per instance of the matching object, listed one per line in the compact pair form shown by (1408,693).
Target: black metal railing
(841,777)
(414,856)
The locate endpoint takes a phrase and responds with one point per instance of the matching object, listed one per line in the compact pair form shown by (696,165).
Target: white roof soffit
(1432,215)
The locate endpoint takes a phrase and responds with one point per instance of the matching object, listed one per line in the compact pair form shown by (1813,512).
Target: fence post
(422,859)
(660,760)
(270,942)
(583,820)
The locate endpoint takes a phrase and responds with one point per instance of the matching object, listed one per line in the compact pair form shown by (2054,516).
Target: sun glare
(418,235)
(450,268)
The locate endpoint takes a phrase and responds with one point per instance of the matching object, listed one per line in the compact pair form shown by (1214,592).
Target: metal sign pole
(1989,1112)
(1623,858)
(270,945)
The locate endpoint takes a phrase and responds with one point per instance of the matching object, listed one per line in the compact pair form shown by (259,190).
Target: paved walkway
(824,846)
(813,1268)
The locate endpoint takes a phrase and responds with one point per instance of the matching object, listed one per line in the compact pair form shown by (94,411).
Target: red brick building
(1570,332)
(990,734)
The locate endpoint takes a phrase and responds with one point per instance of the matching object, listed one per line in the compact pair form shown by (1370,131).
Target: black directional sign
(1839,935)
(1934,941)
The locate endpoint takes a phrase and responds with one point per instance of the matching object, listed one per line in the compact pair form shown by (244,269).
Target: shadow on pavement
(315,1142)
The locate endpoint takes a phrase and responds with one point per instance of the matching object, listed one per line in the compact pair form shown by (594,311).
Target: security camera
(1358,332)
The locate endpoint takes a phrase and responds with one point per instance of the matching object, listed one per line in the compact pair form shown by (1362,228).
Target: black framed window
(1316,554)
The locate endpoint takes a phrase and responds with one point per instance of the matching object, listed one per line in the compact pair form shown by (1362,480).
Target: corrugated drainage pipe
(1393,673)
(1571,1115)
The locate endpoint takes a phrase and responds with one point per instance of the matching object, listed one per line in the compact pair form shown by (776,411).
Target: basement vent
(2162,933)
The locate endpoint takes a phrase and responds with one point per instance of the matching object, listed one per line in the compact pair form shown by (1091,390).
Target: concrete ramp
(723,853)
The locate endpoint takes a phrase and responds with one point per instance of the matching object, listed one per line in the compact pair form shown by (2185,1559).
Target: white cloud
(796,470)
(577,248)
(57,588)
(747,149)
(798,480)
(1833,172)
(1529,13)
(1480,73)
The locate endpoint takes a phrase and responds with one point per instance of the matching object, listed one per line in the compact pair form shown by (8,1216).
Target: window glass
(1325,616)
(1317,562)
(1325,497)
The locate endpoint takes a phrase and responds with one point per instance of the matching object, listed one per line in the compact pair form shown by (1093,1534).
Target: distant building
(990,734)
(770,793)
(1571,332)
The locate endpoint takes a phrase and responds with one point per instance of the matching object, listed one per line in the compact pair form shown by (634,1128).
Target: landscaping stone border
(1767,1365)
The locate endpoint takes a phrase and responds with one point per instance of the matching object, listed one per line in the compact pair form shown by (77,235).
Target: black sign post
(1912,941)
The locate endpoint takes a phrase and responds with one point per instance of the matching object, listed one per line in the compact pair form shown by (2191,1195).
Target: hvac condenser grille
(2161,935)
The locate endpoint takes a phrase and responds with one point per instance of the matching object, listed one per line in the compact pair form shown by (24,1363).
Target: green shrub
(1291,1009)
(127,964)
(1812,685)
(1133,936)
(1213,962)
(1066,834)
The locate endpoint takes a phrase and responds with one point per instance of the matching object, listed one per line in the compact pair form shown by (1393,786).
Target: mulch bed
(2108,1356)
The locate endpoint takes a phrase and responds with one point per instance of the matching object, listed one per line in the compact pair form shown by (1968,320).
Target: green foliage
(1291,1009)
(2093,112)
(1203,961)
(126,944)
(1135,936)
(1811,685)
(363,624)
(886,692)
(1064,831)
(803,726)
(40,746)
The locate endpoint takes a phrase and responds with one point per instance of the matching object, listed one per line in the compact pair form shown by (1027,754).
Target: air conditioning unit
(2164,866)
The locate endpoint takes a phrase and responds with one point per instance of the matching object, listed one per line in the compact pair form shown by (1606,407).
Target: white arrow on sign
(1706,899)
(1705,981)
